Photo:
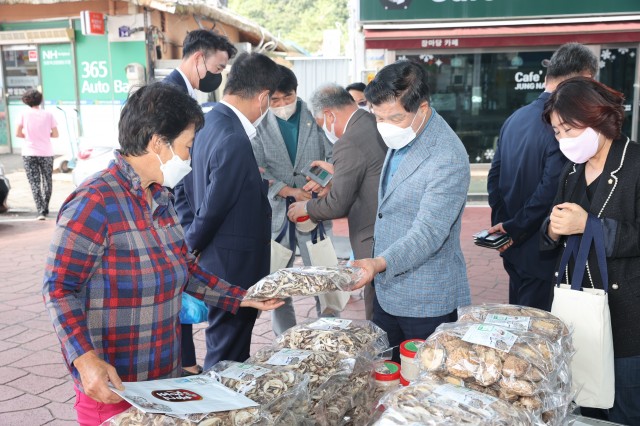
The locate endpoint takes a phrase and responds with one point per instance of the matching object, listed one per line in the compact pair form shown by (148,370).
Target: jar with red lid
(408,350)
(387,374)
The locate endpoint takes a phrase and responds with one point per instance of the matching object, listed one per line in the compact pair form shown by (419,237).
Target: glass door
(618,71)
(20,67)
(4,129)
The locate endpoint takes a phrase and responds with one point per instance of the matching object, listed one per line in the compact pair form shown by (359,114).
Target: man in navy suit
(225,192)
(205,55)
(523,181)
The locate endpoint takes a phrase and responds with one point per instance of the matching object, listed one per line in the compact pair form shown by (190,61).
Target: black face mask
(210,81)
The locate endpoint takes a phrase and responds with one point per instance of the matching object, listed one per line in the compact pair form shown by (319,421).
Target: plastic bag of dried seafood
(519,317)
(135,417)
(432,401)
(279,392)
(304,281)
(319,366)
(347,337)
(526,369)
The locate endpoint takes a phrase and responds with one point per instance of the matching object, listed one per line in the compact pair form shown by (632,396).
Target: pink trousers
(94,413)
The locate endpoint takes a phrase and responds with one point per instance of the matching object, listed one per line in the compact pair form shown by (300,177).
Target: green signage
(101,68)
(403,10)
(57,73)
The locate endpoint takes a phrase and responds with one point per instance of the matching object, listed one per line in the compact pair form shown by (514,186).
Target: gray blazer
(418,227)
(358,158)
(271,154)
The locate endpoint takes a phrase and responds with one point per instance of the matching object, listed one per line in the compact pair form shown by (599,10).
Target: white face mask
(285,112)
(331,134)
(398,137)
(262,114)
(174,170)
(582,147)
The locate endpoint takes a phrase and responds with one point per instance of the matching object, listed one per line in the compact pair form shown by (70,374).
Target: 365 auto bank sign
(427,10)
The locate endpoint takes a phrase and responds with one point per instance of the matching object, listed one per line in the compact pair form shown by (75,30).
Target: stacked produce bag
(494,355)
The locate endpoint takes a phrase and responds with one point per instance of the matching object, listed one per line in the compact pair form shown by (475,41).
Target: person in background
(419,269)
(356,90)
(287,141)
(205,55)
(602,179)
(227,198)
(37,127)
(523,180)
(353,191)
(118,262)
(5,186)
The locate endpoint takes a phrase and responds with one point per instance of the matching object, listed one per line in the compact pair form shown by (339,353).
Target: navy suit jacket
(176,79)
(522,183)
(223,203)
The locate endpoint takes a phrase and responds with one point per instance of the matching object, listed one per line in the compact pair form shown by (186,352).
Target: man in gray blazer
(420,272)
(358,157)
(288,139)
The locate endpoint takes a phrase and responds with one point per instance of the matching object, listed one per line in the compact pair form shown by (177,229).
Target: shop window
(21,70)
(618,70)
(475,93)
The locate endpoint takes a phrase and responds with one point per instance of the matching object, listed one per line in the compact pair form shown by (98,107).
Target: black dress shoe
(187,373)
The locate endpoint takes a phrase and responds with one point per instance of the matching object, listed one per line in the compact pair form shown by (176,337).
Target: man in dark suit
(205,55)
(231,227)
(358,157)
(523,181)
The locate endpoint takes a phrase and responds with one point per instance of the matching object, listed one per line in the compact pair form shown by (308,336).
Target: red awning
(503,36)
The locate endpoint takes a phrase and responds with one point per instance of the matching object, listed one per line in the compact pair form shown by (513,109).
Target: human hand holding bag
(586,312)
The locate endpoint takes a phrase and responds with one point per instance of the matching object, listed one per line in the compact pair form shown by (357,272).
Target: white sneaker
(40,217)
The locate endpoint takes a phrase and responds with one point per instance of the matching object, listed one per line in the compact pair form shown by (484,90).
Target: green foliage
(301,21)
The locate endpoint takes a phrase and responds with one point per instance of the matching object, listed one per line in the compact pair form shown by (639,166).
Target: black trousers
(528,290)
(228,335)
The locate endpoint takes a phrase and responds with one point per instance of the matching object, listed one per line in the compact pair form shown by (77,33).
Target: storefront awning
(503,36)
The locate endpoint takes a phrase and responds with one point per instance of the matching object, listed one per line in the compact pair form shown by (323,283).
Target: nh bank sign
(438,10)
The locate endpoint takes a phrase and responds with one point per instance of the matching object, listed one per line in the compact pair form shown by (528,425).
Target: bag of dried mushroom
(347,337)
(304,281)
(529,370)
(521,318)
(135,417)
(341,393)
(276,390)
(433,401)
(319,366)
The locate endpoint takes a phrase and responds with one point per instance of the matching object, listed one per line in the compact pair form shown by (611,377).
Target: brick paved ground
(35,388)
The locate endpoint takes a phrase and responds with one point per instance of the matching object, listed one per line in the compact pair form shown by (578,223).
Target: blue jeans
(400,329)
(626,407)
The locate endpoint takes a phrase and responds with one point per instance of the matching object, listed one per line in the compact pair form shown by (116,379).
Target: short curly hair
(32,98)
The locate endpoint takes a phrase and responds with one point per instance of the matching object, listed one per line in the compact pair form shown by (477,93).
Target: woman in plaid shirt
(118,262)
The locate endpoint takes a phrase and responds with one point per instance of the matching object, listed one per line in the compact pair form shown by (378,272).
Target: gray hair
(572,59)
(329,95)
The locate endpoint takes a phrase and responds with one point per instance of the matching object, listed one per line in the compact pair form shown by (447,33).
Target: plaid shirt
(115,274)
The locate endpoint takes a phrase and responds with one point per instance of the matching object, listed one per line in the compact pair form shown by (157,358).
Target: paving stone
(34,384)
(28,336)
(62,411)
(12,330)
(62,423)
(54,371)
(38,416)
(16,316)
(61,393)
(22,403)
(8,374)
(12,355)
(42,357)
(9,392)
